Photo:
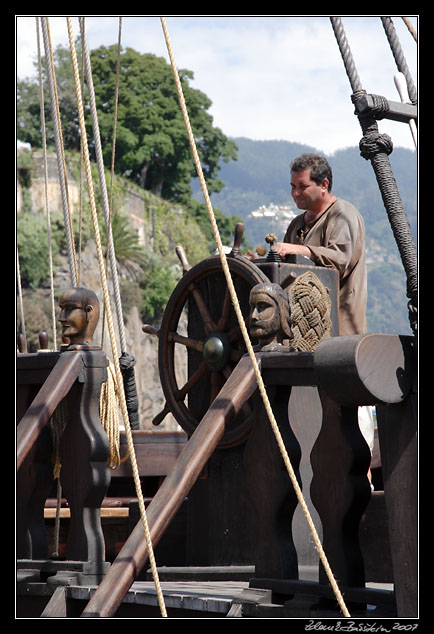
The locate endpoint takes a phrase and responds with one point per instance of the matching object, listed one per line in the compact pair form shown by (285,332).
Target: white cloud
(269,77)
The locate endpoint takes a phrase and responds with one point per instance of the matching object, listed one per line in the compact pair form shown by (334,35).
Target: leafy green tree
(152,146)
(151,139)
(28,103)
(33,246)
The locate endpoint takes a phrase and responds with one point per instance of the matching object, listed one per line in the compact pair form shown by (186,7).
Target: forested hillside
(260,176)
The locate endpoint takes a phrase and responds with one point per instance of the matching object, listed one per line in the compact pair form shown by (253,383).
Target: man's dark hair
(320,169)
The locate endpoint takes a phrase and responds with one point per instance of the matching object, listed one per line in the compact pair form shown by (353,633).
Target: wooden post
(85,476)
(271,490)
(340,490)
(77,377)
(397,431)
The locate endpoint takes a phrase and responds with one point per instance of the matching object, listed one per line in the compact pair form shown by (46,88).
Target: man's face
(73,316)
(305,192)
(264,317)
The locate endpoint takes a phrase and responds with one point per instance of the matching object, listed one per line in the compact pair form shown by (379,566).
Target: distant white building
(272,218)
(281,214)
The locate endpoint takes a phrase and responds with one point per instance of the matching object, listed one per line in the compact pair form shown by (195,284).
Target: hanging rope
(47,209)
(109,415)
(59,150)
(244,332)
(128,361)
(410,27)
(398,54)
(118,374)
(57,426)
(112,169)
(376,147)
(20,297)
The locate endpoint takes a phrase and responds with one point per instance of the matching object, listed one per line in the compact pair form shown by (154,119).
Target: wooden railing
(43,381)
(54,390)
(344,372)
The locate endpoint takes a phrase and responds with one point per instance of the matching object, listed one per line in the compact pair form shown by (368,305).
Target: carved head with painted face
(79,315)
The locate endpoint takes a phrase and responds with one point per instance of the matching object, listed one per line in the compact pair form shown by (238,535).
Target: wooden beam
(55,388)
(366,369)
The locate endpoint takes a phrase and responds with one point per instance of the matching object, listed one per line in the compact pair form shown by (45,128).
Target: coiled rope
(109,415)
(376,147)
(117,370)
(310,307)
(243,328)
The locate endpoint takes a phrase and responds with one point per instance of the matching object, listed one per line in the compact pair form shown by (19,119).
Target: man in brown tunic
(330,232)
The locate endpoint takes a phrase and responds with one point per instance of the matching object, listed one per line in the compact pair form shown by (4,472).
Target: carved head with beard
(269,314)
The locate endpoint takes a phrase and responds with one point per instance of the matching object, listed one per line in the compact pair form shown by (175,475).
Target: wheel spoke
(216,381)
(194,344)
(225,312)
(208,322)
(195,377)
(235,334)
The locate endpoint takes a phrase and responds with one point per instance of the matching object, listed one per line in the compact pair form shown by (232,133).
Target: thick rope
(47,209)
(376,147)
(244,332)
(109,404)
(399,56)
(118,374)
(310,307)
(59,151)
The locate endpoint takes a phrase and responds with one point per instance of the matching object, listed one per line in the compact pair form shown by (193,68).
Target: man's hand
(287,248)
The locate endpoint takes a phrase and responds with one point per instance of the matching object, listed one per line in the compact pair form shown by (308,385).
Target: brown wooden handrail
(54,389)
(237,390)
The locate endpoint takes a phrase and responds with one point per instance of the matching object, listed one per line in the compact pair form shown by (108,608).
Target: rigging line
(112,170)
(116,364)
(47,209)
(246,338)
(20,297)
(59,150)
(103,187)
(399,56)
(410,27)
(376,147)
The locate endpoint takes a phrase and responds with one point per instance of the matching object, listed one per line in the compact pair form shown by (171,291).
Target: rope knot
(375,143)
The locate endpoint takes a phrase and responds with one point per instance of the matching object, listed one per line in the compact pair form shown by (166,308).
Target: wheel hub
(216,350)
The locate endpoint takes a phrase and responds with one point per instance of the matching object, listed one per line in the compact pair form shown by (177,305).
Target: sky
(268,77)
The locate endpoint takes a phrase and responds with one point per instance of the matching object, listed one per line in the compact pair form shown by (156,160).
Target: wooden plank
(56,606)
(105,512)
(156,452)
